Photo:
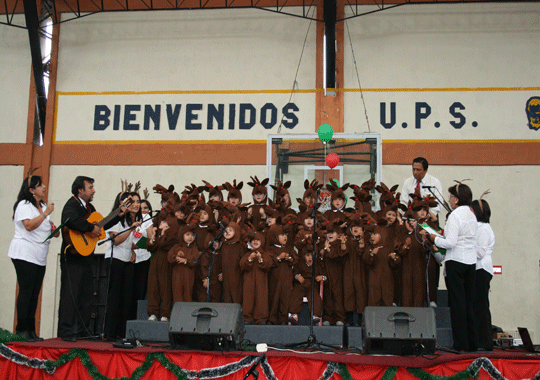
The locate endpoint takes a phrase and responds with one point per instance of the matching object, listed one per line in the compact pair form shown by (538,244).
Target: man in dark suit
(76,283)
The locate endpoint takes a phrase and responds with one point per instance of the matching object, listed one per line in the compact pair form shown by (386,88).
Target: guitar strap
(80,202)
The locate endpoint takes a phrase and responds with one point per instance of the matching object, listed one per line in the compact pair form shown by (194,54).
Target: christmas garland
(49,366)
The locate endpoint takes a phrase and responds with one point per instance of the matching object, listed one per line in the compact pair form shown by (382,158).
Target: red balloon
(332,160)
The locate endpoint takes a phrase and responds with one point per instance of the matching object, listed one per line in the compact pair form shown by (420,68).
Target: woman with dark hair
(460,266)
(142,257)
(485,240)
(121,259)
(28,250)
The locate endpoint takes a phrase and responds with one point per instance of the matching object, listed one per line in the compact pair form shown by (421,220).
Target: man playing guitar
(76,290)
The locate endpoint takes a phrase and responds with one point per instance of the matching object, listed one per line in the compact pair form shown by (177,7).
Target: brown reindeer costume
(255,265)
(232,250)
(355,271)
(337,192)
(281,276)
(380,263)
(200,238)
(311,190)
(333,256)
(183,273)
(413,262)
(304,231)
(159,274)
(255,216)
(387,198)
(282,196)
(303,277)
(362,196)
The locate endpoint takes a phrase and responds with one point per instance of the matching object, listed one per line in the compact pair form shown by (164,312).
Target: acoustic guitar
(84,244)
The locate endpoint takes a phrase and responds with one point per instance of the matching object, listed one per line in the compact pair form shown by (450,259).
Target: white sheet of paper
(430,230)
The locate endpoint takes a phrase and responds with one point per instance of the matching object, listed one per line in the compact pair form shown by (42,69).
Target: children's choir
(266,256)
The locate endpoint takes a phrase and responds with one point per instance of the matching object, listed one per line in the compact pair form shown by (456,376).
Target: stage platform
(55,359)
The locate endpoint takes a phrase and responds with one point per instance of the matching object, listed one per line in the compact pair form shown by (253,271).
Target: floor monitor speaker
(399,330)
(206,326)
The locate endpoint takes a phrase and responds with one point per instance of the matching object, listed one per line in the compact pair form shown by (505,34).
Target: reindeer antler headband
(460,183)
(29,175)
(480,199)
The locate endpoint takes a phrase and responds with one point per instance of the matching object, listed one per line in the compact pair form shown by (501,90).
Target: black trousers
(481,308)
(460,282)
(140,285)
(76,295)
(119,297)
(30,279)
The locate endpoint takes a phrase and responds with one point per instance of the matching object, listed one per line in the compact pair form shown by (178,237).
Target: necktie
(417,190)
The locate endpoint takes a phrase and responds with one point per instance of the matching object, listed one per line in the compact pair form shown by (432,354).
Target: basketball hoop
(325,200)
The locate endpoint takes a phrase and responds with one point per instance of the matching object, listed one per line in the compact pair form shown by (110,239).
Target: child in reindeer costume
(255,212)
(362,196)
(255,265)
(332,251)
(413,261)
(182,258)
(381,258)
(164,237)
(339,200)
(281,276)
(355,271)
(232,250)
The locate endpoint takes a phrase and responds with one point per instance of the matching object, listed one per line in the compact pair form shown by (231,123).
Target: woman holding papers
(460,266)
(142,259)
(28,250)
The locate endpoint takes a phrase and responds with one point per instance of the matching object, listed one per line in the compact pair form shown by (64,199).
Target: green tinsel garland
(344,372)
(389,374)
(8,336)
(471,372)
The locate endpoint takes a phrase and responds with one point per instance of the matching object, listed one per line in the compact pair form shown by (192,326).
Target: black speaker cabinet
(206,326)
(399,330)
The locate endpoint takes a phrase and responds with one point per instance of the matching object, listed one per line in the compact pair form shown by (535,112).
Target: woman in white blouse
(142,259)
(460,267)
(485,240)
(28,250)
(121,258)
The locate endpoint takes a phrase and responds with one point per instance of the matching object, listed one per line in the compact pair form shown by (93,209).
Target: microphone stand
(312,339)
(443,202)
(252,370)
(211,250)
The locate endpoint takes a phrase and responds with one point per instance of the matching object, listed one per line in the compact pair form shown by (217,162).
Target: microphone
(252,370)
(427,187)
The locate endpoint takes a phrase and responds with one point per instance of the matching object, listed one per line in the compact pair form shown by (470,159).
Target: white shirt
(122,251)
(460,232)
(28,245)
(410,185)
(485,240)
(141,231)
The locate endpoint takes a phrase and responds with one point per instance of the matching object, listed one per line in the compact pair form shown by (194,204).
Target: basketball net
(325,199)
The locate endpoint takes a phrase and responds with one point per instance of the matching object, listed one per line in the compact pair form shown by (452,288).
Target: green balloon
(325,132)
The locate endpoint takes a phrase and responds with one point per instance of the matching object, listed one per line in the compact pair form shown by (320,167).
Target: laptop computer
(526,339)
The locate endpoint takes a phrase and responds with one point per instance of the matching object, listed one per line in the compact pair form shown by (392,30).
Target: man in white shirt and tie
(423,182)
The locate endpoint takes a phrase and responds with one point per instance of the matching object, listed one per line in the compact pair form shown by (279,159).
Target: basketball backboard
(296,158)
